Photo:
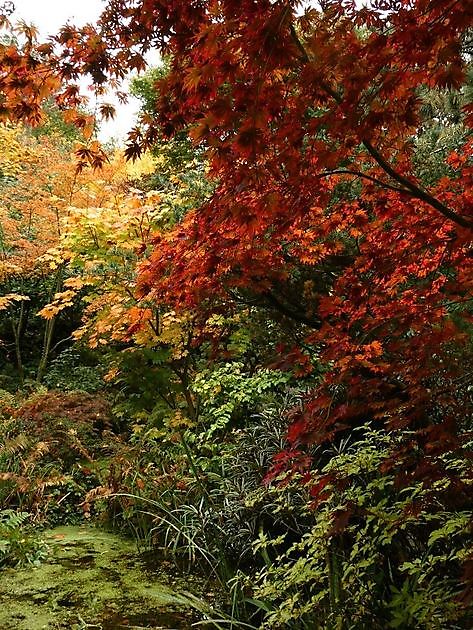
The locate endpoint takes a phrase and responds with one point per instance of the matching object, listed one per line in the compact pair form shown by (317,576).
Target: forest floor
(94,580)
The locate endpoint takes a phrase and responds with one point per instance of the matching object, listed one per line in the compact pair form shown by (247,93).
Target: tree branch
(288,312)
(364,176)
(408,186)
(416,190)
(259,302)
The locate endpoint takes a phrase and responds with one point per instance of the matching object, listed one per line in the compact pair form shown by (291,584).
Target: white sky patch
(50,15)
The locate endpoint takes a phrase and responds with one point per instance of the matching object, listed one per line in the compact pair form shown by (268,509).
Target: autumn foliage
(310,119)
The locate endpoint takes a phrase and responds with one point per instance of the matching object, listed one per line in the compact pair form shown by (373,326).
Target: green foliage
(174,156)
(442,131)
(178,163)
(377,554)
(229,391)
(144,86)
(145,386)
(202,500)
(67,373)
(17,545)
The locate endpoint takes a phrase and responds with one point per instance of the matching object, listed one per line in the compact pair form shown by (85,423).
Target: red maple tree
(309,119)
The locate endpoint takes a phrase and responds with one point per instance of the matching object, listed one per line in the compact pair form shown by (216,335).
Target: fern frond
(15,445)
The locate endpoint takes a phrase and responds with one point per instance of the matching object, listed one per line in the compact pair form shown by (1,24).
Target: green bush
(229,392)
(17,545)
(377,555)
(66,373)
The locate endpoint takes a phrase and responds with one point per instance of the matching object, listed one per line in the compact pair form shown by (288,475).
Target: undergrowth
(19,545)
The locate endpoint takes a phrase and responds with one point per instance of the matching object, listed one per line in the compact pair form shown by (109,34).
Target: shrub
(66,373)
(378,554)
(49,445)
(17,545)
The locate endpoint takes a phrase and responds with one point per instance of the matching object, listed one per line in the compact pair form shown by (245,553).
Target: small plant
(17,545)
(229,391)
(66,373)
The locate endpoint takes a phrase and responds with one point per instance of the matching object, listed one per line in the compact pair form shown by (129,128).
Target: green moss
(92,579)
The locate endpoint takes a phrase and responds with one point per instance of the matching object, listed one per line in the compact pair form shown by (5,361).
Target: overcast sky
(49,16)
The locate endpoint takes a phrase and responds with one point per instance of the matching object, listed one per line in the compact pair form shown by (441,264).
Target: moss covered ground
(93,579)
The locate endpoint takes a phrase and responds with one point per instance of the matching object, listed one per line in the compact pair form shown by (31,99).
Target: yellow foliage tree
(103,242)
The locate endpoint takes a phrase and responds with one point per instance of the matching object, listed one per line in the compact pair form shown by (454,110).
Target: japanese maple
(310,118)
